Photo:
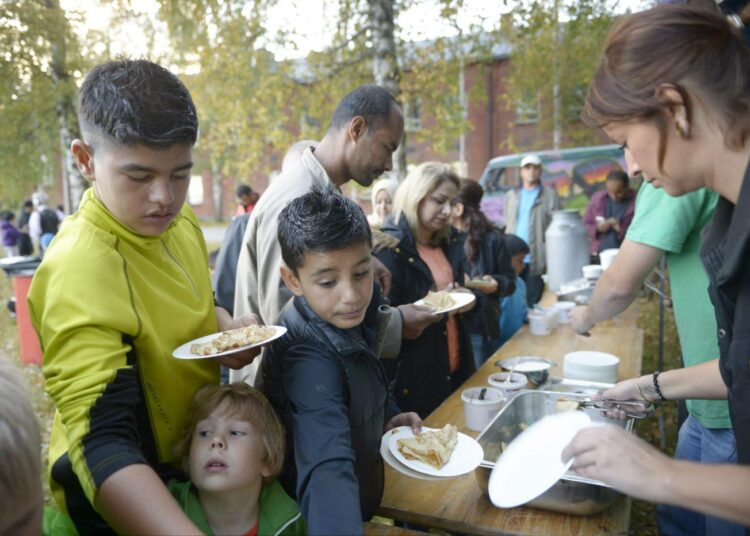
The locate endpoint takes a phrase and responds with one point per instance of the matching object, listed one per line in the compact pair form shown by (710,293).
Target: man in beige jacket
(365,130)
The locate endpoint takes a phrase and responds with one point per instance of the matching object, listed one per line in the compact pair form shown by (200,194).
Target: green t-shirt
(674,224)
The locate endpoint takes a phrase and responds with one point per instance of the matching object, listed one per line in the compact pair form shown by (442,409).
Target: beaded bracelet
(656,386)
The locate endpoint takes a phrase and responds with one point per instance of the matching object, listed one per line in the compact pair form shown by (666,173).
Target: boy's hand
(406,419)
(240,359)
(416,319)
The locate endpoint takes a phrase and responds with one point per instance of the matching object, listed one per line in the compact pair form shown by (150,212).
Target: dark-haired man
(364,132)
(609,213)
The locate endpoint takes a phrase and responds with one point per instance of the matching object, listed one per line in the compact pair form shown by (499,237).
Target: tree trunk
(385,69)
(73,183)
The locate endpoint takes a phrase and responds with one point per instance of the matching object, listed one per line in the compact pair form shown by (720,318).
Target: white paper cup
(539,324)
(592,271)
(479,412)
(563,311)
(607,256)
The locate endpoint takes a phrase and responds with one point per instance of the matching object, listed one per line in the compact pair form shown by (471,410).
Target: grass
(643,520)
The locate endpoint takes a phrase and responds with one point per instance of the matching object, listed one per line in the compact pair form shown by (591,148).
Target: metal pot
(567,247)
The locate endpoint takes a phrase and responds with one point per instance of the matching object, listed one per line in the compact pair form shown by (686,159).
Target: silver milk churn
(567,247)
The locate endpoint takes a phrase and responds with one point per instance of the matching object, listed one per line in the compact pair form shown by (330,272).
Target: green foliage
(555,45)
(247,101)
(28,137)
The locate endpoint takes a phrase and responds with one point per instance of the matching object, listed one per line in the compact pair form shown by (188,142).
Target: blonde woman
(423,253)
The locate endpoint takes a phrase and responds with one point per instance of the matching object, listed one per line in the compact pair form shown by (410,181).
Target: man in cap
(528,213)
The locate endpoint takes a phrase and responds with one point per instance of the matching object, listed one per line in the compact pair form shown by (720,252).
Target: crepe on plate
(439,300)
(433,448)
(233,338)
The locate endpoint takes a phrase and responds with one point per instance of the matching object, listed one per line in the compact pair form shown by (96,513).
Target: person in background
(233,450)
(528,213)
(25,245)
(11,235)
(490,271)
(382,194)
(324,377)
(246,198)
(49,221)
(673,87)
(513,308)
(40,201)
(424,252)
(609,213)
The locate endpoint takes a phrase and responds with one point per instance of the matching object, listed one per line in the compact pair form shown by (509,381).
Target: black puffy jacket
(420,374)
(332,395)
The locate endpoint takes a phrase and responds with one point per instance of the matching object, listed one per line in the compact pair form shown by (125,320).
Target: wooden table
(458,505)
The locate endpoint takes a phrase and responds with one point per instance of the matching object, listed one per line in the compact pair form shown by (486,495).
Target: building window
(413,115)
(195,190)
(527,109)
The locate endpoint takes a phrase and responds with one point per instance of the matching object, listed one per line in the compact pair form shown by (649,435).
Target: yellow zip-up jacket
(109,306)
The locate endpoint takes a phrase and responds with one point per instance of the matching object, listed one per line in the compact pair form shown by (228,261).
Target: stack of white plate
(591,366)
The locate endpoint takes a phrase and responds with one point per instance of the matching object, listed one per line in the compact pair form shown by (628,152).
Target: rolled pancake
(433,448)
(439,300)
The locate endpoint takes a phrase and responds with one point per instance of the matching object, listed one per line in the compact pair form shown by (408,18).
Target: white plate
(183,351)
(531,464)
(391,460)
(461,299)
(465,458)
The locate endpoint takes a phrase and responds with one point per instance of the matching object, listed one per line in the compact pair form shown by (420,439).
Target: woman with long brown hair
(673,87)
(489,269)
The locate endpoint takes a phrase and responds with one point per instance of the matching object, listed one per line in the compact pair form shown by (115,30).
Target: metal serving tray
(572,494)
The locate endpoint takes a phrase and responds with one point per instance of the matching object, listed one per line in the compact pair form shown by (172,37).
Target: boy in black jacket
(323,377)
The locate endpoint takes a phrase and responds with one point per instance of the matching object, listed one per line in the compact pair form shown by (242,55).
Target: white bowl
(563,311)
(517,381)
(592,271)
(591,366)
(478,413)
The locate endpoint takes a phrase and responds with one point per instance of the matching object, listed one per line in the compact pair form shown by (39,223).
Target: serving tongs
(638,409)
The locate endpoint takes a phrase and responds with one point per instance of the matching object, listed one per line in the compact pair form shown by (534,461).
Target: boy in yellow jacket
(125,282)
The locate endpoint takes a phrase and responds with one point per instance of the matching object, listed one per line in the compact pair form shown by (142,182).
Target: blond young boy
(233,448)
